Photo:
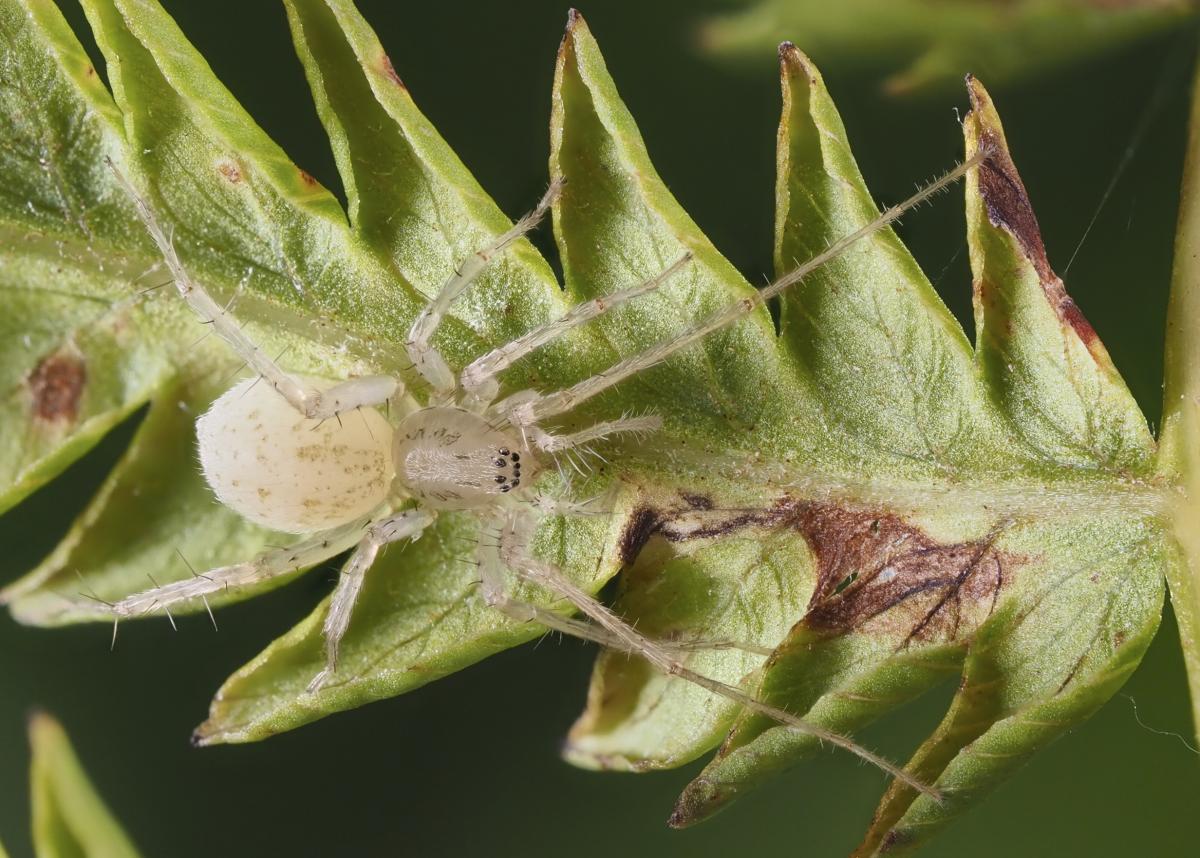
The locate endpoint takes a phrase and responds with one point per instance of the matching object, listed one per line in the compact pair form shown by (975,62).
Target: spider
(279,454)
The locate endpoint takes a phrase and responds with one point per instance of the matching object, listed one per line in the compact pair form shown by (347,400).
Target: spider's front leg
(479,378)
(427,360)
(405,525)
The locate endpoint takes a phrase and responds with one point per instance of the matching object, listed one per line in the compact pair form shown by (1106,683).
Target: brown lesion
(230,171)
(390,71)
(877,571)
(643,523)
(56,387)
(1009,208)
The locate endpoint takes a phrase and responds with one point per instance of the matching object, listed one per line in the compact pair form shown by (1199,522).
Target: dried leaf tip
(575,25)
(794,62)
(1000,186)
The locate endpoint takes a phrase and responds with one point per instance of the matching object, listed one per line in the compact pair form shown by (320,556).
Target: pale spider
(344,484)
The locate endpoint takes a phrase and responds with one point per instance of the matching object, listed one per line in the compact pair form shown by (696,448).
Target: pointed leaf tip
(793,61)
(1000,186)
(1033,340)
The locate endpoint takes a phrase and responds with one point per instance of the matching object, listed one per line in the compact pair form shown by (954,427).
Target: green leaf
(78,352)
(1047,609)
(927,44)
(69,818)
(154,516)
(855,507)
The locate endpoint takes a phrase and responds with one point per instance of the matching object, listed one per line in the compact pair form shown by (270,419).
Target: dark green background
(469,765)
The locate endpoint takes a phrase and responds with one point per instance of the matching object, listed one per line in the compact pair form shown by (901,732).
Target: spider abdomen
(451,458)
(288,472)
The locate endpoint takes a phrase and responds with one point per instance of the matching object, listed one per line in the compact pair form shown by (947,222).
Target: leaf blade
(69,819)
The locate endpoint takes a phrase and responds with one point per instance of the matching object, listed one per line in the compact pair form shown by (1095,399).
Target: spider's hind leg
(317,404)
(616,633)
(270,564)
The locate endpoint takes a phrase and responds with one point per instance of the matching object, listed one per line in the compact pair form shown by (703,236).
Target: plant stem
(1179,450)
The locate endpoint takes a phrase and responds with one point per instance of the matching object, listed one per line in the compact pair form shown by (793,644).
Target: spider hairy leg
(626,425)
(306,399)
(405,525)
(615,633)
(527,411)
(492,586)
(428,360)
(266,566)
(479,377)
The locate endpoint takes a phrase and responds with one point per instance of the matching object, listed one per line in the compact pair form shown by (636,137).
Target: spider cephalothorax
(276,449)
(449,458)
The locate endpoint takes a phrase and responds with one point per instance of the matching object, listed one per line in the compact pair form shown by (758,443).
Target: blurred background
(470,764)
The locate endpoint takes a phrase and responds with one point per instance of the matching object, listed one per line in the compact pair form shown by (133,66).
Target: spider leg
(556,443)
(494,588)
(270,564)
(619,635)
(495,595)
(428,360)
(525,411)
(318,404)
(598,505)
(479,378)
(405,525)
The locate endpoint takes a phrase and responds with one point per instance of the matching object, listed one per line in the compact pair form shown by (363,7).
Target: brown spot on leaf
(307,178)
(1007,201)
(879,570)
(893,840)
(90,71)
(1070,313)
(696,501)
(390,71)
(230,171)
(791,59)
(56,386)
